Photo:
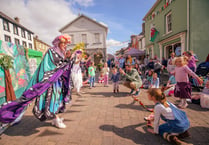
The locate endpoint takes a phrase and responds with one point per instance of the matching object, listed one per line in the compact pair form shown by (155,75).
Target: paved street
(101,118)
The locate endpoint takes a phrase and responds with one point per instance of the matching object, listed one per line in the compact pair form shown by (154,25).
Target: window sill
(167,33)
(97,43)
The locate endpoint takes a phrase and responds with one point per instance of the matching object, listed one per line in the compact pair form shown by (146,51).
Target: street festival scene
(101,72)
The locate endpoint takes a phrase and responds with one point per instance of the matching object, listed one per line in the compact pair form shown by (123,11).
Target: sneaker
(183,106)
(184,135)
(58,123)
(137,93)
(131,92)
(114,91)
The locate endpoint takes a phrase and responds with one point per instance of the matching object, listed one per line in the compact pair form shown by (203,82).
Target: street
(100,117)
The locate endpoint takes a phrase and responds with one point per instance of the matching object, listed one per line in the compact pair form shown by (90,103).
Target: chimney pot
(17,19)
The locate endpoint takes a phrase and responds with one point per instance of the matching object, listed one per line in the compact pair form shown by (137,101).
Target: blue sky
(46,17)
(123,18)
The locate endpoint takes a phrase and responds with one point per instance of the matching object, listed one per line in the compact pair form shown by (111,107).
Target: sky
(45,17)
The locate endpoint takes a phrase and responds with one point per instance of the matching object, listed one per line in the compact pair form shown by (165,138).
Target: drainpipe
(188,25)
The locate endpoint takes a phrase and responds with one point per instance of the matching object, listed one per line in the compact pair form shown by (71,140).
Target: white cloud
(113,43)
(43,17)
(85,3)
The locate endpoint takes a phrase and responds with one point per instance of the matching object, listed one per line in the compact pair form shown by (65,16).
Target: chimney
(17,19)
(143,28)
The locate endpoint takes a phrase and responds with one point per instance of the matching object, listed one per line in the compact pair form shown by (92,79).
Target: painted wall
(179,22)
(85,26)
(199,28)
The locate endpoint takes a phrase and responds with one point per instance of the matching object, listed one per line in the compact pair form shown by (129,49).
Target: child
(155,82)
(101,78)
(91,72)
(176,122)
(105,71)
(183,86)
(168,89)
(148,79)
(115,79)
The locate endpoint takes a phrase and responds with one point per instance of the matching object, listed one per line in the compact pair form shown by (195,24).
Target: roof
(86,18)
(135,52)
(153,7)
(4,16)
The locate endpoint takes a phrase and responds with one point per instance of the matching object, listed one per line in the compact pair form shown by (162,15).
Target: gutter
(188,24)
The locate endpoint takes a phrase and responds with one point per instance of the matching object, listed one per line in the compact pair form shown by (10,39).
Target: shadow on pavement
(199,135)
(131,132)
(133,106)
(29,125)
(108,94)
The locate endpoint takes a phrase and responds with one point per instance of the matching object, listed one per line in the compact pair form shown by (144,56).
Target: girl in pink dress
(183,87)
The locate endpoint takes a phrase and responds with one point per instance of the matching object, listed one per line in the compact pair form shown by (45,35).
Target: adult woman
(49,86)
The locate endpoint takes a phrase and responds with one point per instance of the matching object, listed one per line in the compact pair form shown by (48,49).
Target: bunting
(157,12)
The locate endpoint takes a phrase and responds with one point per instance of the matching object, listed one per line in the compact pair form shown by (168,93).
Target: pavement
(100,117)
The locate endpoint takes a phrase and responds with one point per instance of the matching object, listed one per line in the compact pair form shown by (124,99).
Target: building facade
(12,31)
(39,45)
(92,33)
(177,26)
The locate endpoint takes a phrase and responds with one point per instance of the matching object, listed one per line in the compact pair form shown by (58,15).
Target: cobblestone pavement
(100,117)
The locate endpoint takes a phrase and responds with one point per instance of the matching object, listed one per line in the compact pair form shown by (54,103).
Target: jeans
(92,80)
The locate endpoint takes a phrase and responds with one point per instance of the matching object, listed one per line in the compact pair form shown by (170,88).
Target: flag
(154,33)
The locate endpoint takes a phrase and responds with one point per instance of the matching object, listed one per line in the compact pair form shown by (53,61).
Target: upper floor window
(24,44)
(17,41)
(168,22)
(7,38)
(30,45)
(97,38)
(15,29)
(72,39)
(29,36)
(84,38)
(6,25)
(23,33)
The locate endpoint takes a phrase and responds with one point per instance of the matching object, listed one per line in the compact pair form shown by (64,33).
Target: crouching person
(176,122)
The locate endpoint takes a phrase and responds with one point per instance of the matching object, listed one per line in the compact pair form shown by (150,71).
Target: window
(29,36)
(97,38)
(15,28)
(30,45)
(17,41)
(7,38)
(24,44)
(23,33)
(72,39)
(6,25)
(168,23)
(84,38)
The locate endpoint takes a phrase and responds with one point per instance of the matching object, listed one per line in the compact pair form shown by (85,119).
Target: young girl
(155,82)
(101,78)
(115,79)
(176,122)
(76,72)
(168,89)
(183,87)
(105,71)
(91,72)
(148,79)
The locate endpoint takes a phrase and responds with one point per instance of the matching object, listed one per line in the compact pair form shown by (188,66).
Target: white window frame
(84,38)
(97,37)
(6,25)
(15,28)
(7,38)
(17,41)
(167,23)
(72,38)
(23,33)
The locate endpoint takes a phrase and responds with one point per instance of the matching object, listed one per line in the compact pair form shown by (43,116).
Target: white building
(12,31)
(92,33)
